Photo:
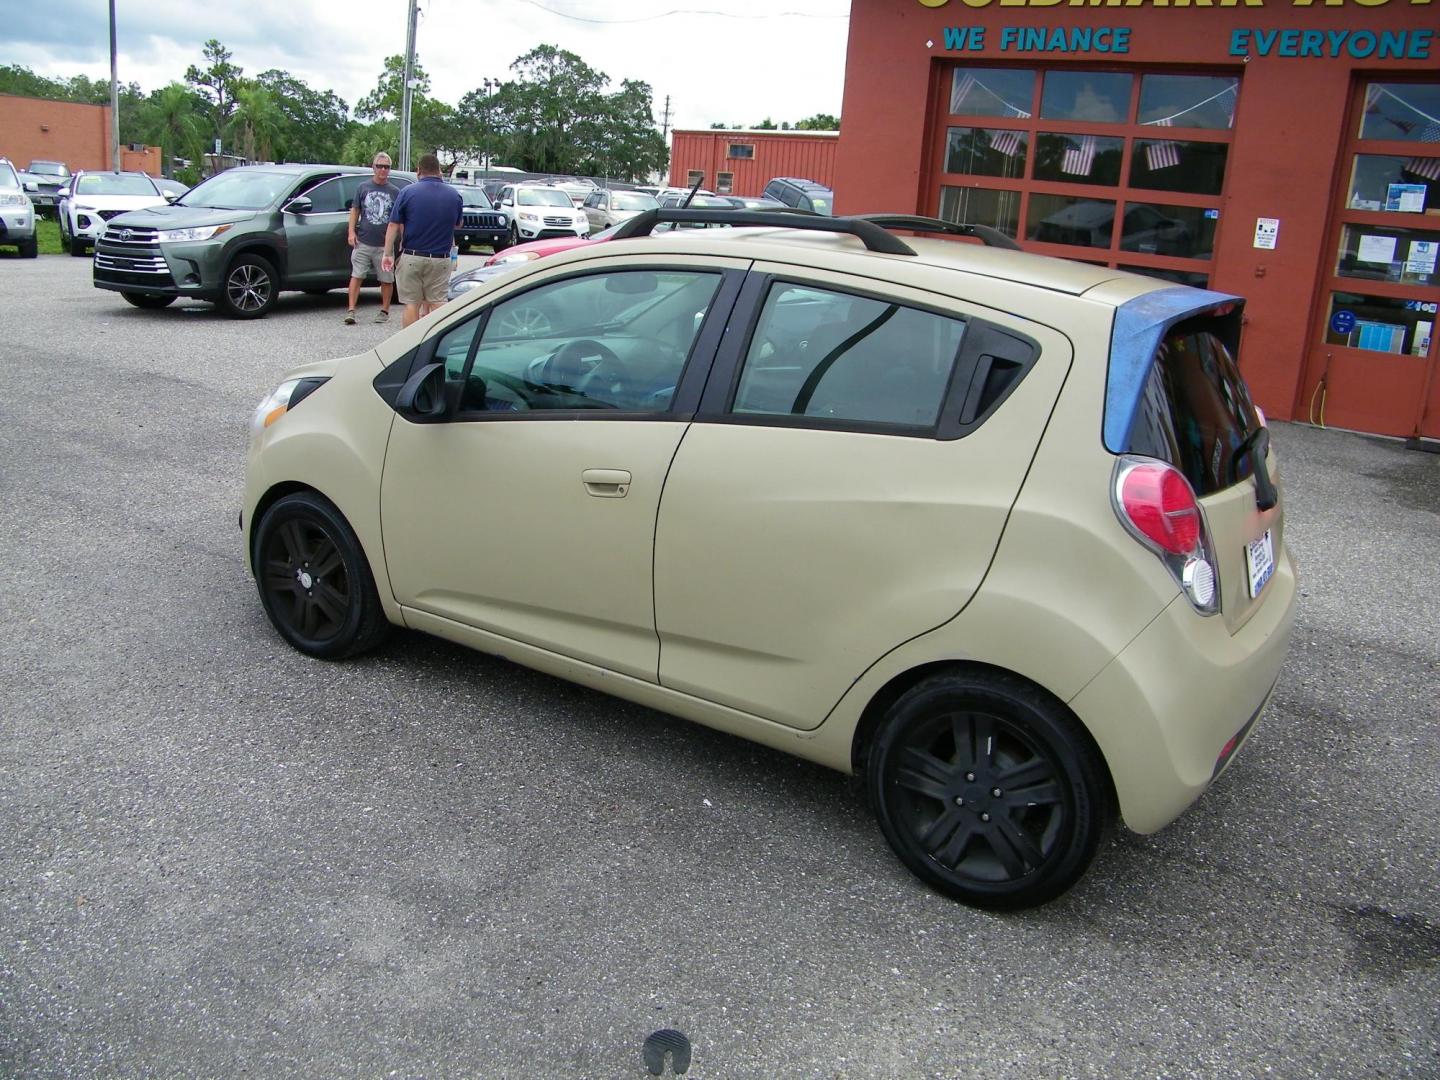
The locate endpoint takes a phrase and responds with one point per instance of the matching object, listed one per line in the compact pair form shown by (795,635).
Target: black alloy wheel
(314,579)
(988,790)
(147,301)
(514,236)
(249,289)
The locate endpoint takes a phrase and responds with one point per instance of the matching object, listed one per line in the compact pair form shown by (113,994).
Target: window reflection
(1101,97)
(1078,159)
(1192,101)
(1378,182)
(987,151)
(1402,111)
(1156,229)
(1063,219)
(992,92)
(982,206)
(1163,165)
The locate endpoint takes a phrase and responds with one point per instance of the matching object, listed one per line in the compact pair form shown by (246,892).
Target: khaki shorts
(365,260)
(420,280)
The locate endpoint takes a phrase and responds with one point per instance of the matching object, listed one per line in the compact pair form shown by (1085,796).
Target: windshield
(48,168)
(7,176)
(239,189)
(543,197)
(113,184)
(473,196)
(632,200)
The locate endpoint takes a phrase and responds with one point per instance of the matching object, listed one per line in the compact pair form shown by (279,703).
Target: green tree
(317,122)
(257,126)
(387,99)
(172,118)
(819,122)
(217,83)
(364,141)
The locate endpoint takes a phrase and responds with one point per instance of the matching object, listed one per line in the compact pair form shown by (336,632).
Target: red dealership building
(1285,151)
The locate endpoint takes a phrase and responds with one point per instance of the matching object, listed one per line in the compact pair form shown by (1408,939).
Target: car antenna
(693,188)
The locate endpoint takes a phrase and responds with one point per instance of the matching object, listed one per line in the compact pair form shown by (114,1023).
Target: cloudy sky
(729,61)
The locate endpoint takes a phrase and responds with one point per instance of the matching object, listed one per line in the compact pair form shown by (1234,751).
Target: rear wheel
(988,790)
(314,579)
(249,289)
(145,300)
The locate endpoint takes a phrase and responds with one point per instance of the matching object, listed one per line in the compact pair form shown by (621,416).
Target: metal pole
(405,90)
(114,98)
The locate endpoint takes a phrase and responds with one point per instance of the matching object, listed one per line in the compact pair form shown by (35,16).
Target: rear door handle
(606,483)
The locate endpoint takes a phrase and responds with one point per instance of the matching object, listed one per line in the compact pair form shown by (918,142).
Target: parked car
(238,239)
(17,215)
(577,187)
(90,199)
(1091,224)
(752,202)
(43,181)
(169,186)
(661,194)
(801,194)
(607,207)
(537,212)
(1001,533)
(482,223)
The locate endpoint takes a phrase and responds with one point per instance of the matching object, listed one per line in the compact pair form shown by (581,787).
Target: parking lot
(219,857)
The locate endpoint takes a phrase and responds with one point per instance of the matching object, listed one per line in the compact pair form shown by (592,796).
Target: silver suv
(17,216)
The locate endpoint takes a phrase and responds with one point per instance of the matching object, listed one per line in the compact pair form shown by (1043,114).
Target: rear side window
(1195,409)
(833,356)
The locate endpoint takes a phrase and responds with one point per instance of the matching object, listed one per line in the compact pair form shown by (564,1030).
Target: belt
(423,254)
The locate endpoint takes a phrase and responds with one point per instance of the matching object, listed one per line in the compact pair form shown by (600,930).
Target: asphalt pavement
(221,858)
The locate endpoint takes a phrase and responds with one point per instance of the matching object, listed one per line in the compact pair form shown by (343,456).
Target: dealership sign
(1359,44)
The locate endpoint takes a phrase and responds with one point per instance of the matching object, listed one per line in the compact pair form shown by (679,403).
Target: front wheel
(147,301)
(78,247)
(249,289)
(29,249)
(314,579)
(987,789)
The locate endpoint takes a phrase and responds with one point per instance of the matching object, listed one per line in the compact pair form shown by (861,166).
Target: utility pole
(114,98)
(406,90)
(665,123)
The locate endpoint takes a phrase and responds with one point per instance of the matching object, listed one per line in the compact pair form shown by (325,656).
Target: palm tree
(259,122)
(175,123)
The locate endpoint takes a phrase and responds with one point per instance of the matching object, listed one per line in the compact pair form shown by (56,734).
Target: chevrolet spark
(1004,534)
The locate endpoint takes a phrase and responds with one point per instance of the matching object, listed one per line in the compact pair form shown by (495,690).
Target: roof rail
(984,233)
(874,237)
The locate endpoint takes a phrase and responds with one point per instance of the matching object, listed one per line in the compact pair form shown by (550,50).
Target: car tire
(249,288)
(514,236)
(314,580)
(465,248)
(29,249)
(940,754)
(78,247)
(317,292)
(147,301)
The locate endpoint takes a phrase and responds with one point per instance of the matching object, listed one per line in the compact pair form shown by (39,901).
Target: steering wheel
(575,361)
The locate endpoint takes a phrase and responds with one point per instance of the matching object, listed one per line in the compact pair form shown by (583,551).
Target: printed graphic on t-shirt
(376,207)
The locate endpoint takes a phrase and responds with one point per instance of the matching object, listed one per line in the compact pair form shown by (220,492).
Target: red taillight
(1159,503)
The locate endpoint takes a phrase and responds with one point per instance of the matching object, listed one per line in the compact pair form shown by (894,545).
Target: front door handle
(606,483)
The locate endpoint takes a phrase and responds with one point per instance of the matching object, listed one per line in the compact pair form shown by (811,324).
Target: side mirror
(300,205)
(170,196)
(424,398)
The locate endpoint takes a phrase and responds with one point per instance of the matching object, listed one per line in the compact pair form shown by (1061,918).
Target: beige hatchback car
(1002,533)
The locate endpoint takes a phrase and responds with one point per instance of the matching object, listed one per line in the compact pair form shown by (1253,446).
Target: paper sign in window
(1377,249)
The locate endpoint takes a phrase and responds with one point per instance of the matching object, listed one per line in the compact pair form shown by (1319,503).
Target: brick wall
(37,129)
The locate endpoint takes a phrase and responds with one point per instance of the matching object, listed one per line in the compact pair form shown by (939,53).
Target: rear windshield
(1195,410)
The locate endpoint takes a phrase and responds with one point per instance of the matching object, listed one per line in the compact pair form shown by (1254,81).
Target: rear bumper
(1165,711)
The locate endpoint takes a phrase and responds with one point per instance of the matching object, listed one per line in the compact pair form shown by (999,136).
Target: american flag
(1006,142)
(961,90)
(1429,168)
(1162,155)
(1079,160)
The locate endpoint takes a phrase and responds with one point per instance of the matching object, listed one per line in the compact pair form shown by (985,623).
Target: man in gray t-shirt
(368,217)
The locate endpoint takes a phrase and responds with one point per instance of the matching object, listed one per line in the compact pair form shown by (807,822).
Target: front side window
(327,198)
(615,341)
(837,357)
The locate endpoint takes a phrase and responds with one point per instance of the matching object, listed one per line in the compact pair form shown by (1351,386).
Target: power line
(686,11)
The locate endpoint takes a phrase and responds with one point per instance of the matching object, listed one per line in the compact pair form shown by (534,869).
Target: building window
(693,177)
(1134,181)
(724,182)
(741,150)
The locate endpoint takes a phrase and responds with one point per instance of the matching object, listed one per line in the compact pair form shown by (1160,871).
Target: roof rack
(984,233)
(874,237)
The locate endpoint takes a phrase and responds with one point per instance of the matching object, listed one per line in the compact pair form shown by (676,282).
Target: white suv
(17,216)
(90,199)
(537,212)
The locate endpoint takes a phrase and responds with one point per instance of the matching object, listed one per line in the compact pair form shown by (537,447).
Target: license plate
(1260,559)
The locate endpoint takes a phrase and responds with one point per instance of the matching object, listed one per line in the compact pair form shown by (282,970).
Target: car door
(531,512)
(843,487)
(317,247)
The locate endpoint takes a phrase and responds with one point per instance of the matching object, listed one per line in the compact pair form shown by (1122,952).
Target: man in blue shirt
(421,231)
